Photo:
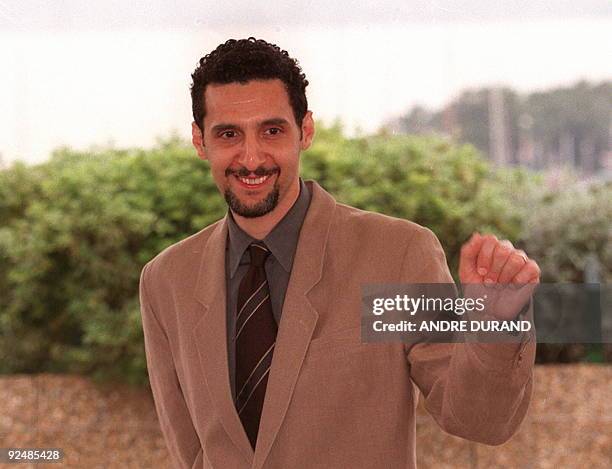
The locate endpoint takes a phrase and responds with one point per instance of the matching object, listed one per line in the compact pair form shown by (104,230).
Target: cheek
(219,164)
(290,160)
(218,175)
(288,169)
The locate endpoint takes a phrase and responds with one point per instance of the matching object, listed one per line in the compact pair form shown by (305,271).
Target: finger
(485,256)
(501,254)
(468,257)
(521,253)
(469,251)
(512,267)
(534,280)
(530,273)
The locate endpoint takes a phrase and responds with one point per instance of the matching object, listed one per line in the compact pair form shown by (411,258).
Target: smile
(253,182)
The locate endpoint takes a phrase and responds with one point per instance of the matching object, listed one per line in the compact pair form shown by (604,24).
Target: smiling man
(252,325)
(253,143)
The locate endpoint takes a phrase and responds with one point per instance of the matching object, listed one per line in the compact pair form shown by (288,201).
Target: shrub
(77,230)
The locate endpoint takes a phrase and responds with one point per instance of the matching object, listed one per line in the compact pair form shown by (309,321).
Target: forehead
(256,99)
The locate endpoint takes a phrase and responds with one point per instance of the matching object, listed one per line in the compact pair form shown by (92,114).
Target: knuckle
(491,237)
(504,250)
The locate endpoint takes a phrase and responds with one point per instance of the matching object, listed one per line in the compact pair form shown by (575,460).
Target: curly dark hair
(243,60)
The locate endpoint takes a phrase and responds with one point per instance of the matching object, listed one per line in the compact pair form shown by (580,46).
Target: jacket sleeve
(175,421)
(477,391)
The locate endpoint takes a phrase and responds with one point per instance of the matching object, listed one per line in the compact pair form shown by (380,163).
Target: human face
(253,144)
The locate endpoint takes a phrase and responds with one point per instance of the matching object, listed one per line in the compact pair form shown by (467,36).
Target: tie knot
(259,253)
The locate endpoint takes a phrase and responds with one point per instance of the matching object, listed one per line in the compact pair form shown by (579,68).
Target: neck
(259,227)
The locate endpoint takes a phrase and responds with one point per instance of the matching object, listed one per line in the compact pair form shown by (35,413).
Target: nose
(251,154)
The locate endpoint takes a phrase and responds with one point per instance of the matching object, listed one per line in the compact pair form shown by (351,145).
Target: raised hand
(493,267)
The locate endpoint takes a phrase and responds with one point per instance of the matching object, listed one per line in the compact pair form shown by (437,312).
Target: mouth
(254,182)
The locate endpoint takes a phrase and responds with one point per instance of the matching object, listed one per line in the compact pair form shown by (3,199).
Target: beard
(259,209)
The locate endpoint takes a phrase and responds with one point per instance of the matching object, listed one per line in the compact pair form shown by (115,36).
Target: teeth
(253,181)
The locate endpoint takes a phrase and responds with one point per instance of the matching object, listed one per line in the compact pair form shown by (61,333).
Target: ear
(308,131)
(198,141)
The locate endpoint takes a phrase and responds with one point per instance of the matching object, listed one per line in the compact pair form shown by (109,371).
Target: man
(252,325)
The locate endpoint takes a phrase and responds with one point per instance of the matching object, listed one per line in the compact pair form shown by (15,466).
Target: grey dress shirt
(282,242)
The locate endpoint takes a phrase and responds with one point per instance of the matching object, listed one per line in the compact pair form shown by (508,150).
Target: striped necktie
(255,339)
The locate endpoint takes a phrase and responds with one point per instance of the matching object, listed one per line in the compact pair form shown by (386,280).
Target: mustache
(259,172)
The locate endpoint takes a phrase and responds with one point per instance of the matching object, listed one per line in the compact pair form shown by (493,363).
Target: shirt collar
(282,240)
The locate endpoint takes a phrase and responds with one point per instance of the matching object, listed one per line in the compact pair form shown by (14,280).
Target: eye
(274,131)
(227,134)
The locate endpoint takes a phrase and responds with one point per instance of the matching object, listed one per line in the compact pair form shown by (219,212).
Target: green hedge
(564,232)
(76,231)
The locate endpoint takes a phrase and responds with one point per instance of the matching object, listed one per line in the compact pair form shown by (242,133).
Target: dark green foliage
(446,187)
(76,231)
(75,234)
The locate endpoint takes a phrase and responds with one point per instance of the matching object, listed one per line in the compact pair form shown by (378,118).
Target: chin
(258,209)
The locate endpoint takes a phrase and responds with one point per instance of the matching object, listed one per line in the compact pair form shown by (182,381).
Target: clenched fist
(486,261)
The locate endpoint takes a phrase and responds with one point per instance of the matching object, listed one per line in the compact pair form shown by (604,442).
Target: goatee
(252,211)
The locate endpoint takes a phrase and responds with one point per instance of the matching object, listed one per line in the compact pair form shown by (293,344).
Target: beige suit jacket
(331,401)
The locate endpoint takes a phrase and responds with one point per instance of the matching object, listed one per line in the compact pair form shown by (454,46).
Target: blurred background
(460,115)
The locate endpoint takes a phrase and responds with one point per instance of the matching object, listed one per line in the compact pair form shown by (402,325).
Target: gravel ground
(569,424)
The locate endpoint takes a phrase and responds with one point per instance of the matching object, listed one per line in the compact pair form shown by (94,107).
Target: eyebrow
(273,121)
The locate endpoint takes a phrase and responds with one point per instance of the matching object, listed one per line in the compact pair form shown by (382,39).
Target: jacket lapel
(298,319)
(210,336)
(297,324)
